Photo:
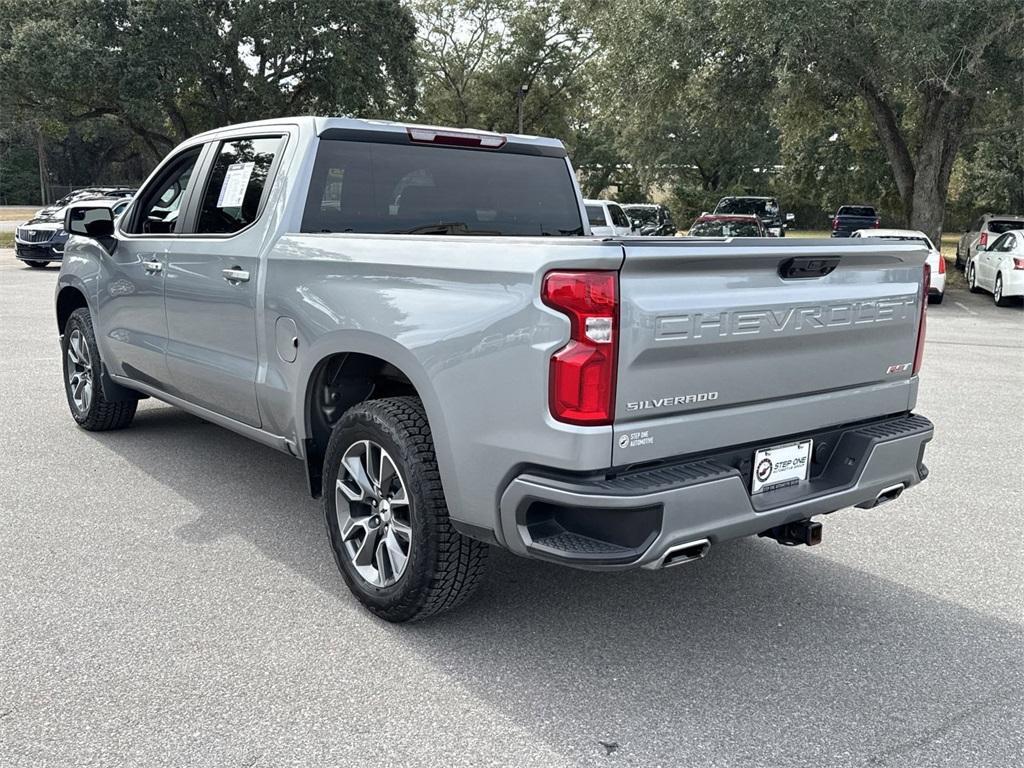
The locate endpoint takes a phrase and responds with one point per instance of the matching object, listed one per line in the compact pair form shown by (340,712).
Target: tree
(690,104)
(918,68)
(477,54)
(168,70)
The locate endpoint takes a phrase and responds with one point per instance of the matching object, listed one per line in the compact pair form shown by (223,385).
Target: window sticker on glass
(236,180)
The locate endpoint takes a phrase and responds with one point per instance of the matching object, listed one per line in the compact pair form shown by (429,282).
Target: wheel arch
(69,298)
(342,376)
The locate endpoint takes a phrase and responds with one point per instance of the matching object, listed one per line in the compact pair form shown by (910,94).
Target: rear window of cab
(394,188)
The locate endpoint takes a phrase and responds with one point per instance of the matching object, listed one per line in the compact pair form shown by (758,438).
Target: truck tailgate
(724,343)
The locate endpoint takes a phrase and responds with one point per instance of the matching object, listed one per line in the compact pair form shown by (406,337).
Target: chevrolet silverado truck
(421,318)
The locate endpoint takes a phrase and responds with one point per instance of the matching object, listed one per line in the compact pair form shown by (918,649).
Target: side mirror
(89,221)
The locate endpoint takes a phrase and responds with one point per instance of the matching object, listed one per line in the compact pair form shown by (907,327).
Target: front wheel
(38,264)
(972,279)
(82,366)
(387,518)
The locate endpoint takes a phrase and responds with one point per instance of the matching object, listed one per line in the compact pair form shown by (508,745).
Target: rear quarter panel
(462,318)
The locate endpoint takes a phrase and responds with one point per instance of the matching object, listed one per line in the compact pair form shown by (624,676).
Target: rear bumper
(632,519)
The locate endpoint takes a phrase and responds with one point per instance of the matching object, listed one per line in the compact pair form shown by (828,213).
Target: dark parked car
(85,193)
(850,218)
(41,240)
(765,208)
(741,225)
(651,219)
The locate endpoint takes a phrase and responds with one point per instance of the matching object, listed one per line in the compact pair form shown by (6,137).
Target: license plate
(781,465)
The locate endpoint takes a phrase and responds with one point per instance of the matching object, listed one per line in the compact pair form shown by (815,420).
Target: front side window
(159,204)
(595,215)
(237,180)
(618,217)
(371,187)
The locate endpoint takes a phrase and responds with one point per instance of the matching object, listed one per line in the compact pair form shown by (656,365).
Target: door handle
(153,266)
(235,275)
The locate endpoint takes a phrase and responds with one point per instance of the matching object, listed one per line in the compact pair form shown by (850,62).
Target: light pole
(520,95)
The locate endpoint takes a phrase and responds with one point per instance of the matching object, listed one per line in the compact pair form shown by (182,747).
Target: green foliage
(167,70)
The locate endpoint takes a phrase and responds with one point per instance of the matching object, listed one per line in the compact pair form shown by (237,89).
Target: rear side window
(412,189)
(998,226)
(237,180)
(595,215)
(856,210)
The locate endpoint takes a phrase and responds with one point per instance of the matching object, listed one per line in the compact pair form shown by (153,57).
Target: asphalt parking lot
(168,598)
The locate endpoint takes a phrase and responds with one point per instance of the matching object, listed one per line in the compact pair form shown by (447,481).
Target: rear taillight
(1018,263)
(878,223)
(919,352)
(942,265)
(835,223)
(582,373)
(983,239)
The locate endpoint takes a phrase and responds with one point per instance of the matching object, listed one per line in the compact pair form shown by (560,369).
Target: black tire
(443,566)
(97,414)
(960,263)
(38,264)
(972,279)
(936,298)
(997,297)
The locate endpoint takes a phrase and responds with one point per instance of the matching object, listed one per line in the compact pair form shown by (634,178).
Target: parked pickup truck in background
(851,218)
(422,318)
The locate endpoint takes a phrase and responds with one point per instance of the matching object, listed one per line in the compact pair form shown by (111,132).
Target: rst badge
(901,368)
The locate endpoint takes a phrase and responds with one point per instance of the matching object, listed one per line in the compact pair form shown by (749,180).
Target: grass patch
(17,213)
(6,239)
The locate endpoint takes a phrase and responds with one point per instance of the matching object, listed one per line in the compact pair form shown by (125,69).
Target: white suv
(607,219)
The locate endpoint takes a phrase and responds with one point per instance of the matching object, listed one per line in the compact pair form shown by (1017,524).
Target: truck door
(212,275)
(132,306)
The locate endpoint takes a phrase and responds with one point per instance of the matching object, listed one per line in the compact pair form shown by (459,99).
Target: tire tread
(459,562)
(104,415)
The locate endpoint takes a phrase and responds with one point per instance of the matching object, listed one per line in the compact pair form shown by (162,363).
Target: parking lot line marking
(965,308)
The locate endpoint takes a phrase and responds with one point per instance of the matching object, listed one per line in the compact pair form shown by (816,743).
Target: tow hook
(793,534)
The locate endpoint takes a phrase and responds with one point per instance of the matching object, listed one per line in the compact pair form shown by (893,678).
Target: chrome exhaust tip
(684,553)
(890,493)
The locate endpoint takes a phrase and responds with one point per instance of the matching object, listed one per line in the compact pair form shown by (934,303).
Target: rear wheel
(82,366)
(38,264)
(997,293)
(387,518)
(935,298)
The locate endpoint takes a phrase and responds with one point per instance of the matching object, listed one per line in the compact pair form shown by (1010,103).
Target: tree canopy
(901,103)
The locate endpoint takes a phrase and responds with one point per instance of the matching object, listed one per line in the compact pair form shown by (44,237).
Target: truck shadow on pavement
(758,655)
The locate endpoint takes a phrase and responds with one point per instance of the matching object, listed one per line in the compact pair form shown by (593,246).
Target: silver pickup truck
(422,318)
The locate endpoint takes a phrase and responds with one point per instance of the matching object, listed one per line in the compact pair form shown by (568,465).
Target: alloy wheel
(372,507)
(997,295)
(80,374)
